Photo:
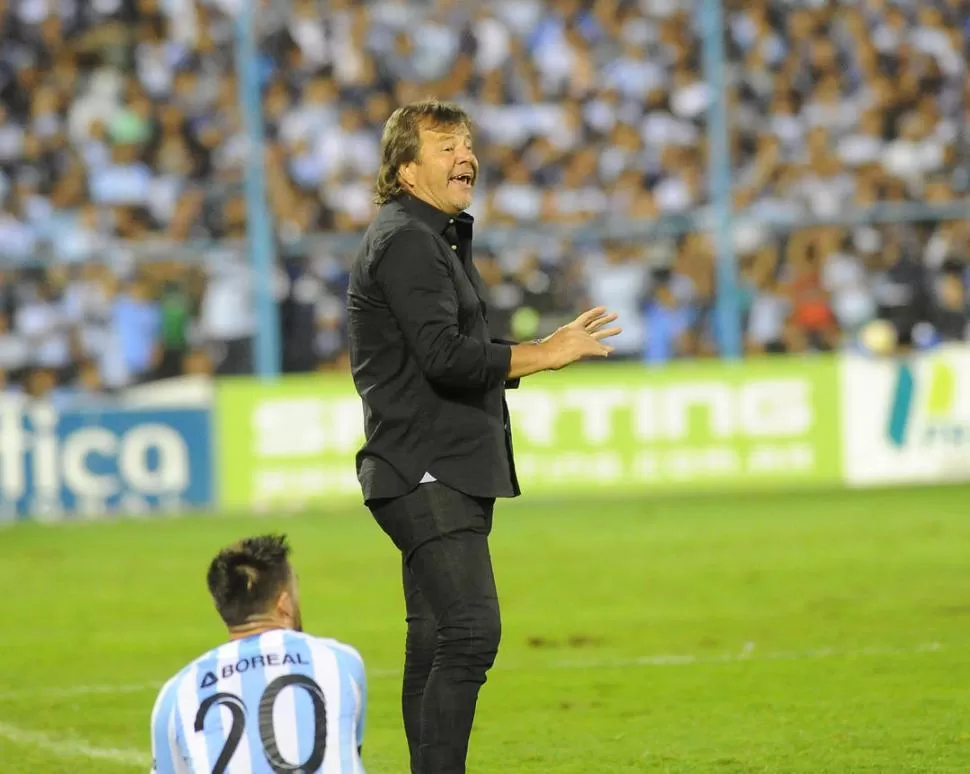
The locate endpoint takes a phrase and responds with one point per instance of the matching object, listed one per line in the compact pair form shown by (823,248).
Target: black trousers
(452,615)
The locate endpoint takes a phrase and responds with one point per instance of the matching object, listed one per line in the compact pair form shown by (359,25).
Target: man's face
(446,169)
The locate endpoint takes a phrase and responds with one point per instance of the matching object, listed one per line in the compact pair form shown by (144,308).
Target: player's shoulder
(332,644)
(166,696)
(189,670)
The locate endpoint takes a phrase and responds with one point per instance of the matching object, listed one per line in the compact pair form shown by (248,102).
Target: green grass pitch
(807,633)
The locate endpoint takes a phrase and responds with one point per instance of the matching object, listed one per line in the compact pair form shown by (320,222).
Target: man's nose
(465,154)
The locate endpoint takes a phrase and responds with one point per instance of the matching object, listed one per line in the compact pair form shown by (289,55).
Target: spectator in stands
(770,311)
(14,351)
(136,322)
(227,319)
(175,310)
(668,322)
(620,277)
(949,300)
(45,329)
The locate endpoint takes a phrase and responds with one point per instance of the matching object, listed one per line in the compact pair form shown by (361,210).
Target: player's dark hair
(246,578)
(401,141)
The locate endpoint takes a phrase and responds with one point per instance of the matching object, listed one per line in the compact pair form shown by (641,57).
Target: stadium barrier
(129,460)
(624,428)
(707,426)
(906,421)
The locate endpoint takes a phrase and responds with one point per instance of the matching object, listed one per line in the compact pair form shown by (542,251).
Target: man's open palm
(583,337)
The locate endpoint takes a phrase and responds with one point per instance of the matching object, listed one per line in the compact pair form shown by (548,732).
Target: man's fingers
(599,322)
(596,348)
(605,333)
(602,350)
(588,316)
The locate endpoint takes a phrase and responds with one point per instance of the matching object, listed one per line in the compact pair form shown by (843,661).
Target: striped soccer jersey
(281,701)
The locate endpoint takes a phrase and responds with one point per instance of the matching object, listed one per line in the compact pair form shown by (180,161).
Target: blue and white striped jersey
(274,702)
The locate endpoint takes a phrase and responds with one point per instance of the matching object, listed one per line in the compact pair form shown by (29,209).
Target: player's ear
(286,606)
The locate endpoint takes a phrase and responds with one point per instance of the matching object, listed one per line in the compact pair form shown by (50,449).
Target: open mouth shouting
(464,180)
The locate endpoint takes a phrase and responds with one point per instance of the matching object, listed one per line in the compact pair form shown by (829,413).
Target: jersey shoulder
(172,685)
(166,698)
(335,645)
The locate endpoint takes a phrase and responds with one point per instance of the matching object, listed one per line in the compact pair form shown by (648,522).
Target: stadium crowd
(122,150)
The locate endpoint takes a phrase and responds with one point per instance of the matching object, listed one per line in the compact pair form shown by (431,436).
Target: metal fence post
(259,228)
(727,312)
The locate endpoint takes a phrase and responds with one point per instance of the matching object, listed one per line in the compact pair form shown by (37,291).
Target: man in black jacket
(438,447)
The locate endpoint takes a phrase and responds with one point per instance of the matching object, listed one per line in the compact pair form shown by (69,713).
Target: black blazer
(431,378)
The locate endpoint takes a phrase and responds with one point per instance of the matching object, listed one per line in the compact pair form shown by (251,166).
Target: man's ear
(408,173)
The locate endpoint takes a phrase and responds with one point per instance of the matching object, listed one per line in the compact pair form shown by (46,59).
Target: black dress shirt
(431,379)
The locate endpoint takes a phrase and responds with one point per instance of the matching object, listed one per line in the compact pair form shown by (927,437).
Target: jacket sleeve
(510,384)
(422,297)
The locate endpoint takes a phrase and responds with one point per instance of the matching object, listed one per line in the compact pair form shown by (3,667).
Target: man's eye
(449,148)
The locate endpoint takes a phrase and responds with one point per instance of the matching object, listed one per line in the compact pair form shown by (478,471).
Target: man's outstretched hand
(581,338)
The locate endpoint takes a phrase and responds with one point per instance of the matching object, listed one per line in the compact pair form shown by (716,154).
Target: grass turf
(801,633)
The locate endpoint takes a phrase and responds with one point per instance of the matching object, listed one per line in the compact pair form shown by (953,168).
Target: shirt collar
(432,216)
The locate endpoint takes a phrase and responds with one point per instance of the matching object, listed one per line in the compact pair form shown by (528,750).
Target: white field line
(749,652)
(59,748)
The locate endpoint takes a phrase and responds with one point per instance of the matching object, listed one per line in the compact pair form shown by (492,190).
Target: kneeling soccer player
(272,699)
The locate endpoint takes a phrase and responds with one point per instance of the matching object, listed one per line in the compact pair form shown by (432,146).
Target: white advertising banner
(906,420)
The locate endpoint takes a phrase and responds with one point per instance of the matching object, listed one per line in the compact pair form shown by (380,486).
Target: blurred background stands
(122,152)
